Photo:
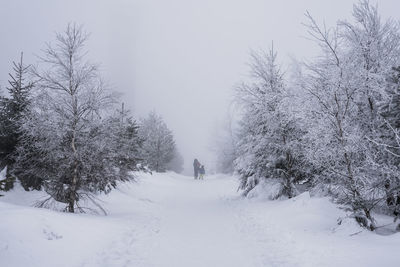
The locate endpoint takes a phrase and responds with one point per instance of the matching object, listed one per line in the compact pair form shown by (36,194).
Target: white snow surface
(173,220)
(3,173)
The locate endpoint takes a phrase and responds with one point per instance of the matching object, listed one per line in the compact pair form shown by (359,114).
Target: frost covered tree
(267,147)
(390,109)
(68,141)
(345,86)
(123,135)
(159,145)
(176,164)
(224,146)
(390,141)
(12,109)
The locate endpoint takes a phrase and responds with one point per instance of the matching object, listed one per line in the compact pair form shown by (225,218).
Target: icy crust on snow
(174,220)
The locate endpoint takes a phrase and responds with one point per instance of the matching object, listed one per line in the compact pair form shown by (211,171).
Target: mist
(179,58)
(199,133)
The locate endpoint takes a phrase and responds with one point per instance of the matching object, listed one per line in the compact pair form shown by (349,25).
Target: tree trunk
(74,180)
(72,197)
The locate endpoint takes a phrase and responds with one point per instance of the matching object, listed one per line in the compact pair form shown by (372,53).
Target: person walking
(196,166)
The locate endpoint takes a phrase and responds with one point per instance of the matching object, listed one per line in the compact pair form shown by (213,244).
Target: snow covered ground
(173,220)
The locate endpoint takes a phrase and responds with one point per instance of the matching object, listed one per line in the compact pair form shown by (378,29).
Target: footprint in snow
(50,235)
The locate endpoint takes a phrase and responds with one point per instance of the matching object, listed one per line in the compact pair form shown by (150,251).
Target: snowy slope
(173,220)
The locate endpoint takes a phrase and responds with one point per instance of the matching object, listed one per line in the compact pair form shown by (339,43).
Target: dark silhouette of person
(196,166)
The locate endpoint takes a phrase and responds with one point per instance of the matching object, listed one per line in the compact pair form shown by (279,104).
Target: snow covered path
(173,220)
(191,223)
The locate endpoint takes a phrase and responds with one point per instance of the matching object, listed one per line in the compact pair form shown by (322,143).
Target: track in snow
(188,223)
(175,221)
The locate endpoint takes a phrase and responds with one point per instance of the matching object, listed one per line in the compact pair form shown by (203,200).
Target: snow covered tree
(12,109)
(123,133)
(158,146)
(176,164)
(345,86)
(224,146)
(268,134)
(67,140)
(390,142)
(390,109)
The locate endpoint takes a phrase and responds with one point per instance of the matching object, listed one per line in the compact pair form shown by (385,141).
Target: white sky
(178,57)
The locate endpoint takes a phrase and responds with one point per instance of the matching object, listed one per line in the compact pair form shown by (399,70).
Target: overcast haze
(180,58)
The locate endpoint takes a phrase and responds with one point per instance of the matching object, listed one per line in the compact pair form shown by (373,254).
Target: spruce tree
(268,146)
(13,108)
(158,145)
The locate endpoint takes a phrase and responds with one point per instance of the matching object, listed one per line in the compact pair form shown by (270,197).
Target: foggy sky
(180,58)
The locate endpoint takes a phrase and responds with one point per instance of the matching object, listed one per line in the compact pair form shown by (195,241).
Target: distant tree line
(333,123)
(61,129)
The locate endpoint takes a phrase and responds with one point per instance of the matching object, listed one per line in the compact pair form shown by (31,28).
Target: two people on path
(199,170)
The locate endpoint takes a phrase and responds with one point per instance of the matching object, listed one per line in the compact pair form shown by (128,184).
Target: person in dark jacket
(196,166)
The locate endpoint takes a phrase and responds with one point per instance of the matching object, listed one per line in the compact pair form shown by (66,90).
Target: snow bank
(305,231)
(266,189)
(40,237)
